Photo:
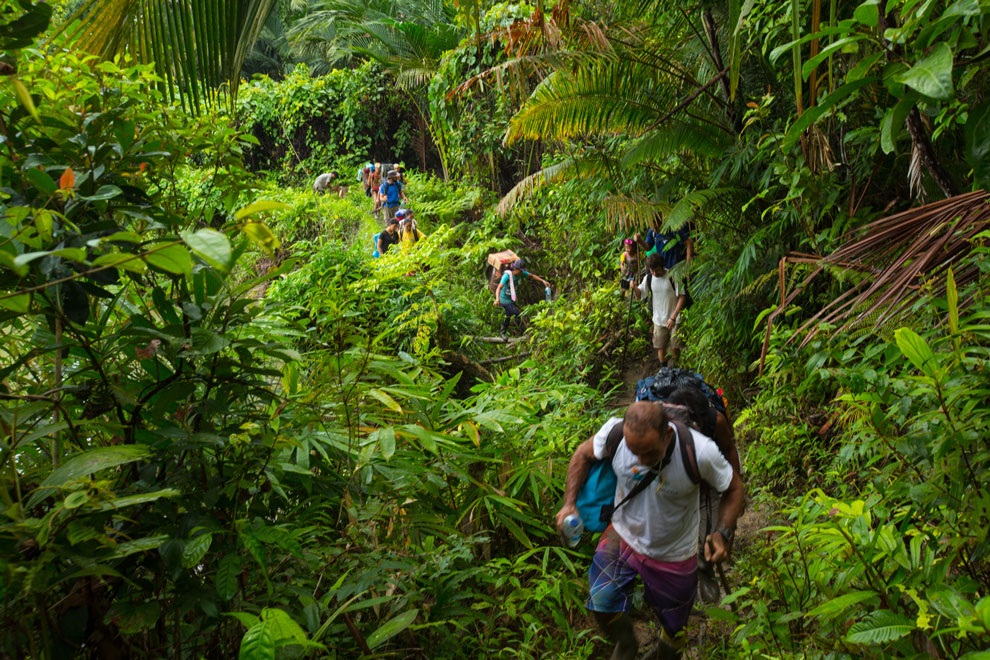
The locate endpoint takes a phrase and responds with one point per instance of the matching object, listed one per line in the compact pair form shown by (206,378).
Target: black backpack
(668,379)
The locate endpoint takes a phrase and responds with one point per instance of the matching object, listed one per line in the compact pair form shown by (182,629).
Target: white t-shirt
(662,521)
(664,295)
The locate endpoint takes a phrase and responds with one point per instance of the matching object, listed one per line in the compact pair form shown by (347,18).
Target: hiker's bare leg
(661,353)
(617,627)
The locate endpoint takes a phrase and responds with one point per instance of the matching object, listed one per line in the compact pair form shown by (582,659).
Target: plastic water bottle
(547,293)
(573,528)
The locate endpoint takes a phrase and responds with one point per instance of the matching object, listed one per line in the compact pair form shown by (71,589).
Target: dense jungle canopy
(226,430)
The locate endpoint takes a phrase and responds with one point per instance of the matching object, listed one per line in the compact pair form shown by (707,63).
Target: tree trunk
(711,29)
(923,144)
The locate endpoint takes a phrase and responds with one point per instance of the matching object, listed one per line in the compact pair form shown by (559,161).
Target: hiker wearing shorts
(505,294)
(390,194)
(654,534)
(667,304)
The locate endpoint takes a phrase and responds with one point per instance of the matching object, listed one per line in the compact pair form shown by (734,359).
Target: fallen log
(507,358)
(497,340)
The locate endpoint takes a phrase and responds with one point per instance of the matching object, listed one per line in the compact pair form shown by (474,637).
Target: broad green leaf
(868,13)
(40,180)
(385,399)
(878,627)
(840,604)
(173,259)
(86,463)
(211,245)
(284,628)
(262,236)
(140,545)
(19,303)
(24,97)
(386,440)
(73,254)
(260,207)
(258,643)
(391,628)
(76,499)
(196,549)
(129,262)
(226,577)
(893,120)
(103,192)
(932,76)
(916,349)
(143,498)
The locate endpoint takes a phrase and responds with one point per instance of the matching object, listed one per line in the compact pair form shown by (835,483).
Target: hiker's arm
(498,292)
(729,510)
(677,310)
(640,290)
(540,279)
(723,438)
(577,474)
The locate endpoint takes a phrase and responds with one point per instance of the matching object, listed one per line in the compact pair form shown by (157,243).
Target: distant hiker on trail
(505,294)
(629,264)
(365,176)
(375,180)
(409,233)
(390,194)
(673,246)
(329,182)
(654,533)
(714,424)
(667,305)
(389,237)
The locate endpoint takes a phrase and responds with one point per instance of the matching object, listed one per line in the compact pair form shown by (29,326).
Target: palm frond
(901,253)
(567,169)
(198,46)
(673,138)
(608,99)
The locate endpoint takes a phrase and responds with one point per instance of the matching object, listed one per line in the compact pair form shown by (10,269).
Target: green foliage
(306,124)
(895,560)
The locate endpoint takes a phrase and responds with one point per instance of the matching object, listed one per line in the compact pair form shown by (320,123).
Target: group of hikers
(677,492)
(657,472)
(389,203)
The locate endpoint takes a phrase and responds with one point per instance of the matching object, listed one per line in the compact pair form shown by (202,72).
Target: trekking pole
(724,582)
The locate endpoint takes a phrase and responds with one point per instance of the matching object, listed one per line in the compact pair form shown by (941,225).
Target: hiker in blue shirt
(391,194)
(505,294)
(673,246)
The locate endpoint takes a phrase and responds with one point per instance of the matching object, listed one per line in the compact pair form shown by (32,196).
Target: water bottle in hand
(573,528)
(547,292)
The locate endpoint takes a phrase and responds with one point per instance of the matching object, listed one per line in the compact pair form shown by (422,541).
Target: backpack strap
(613,439)
(688,456)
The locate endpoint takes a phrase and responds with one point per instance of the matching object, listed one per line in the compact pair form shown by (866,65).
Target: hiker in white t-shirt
(655,533)
(668,301)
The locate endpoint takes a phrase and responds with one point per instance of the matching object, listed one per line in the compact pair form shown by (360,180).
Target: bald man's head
(646,431)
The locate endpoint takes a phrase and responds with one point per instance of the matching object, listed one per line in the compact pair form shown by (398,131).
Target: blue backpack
(374,246)
(596,499)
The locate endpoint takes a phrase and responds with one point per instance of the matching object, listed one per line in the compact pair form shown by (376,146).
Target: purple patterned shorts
(670,586)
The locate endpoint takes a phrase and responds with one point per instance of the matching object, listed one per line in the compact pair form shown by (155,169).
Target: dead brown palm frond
(895,260)
(907,248)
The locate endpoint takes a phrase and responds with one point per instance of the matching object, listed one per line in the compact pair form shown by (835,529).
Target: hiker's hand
(716,548)
(670,323)
(565,511)
(495,303)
